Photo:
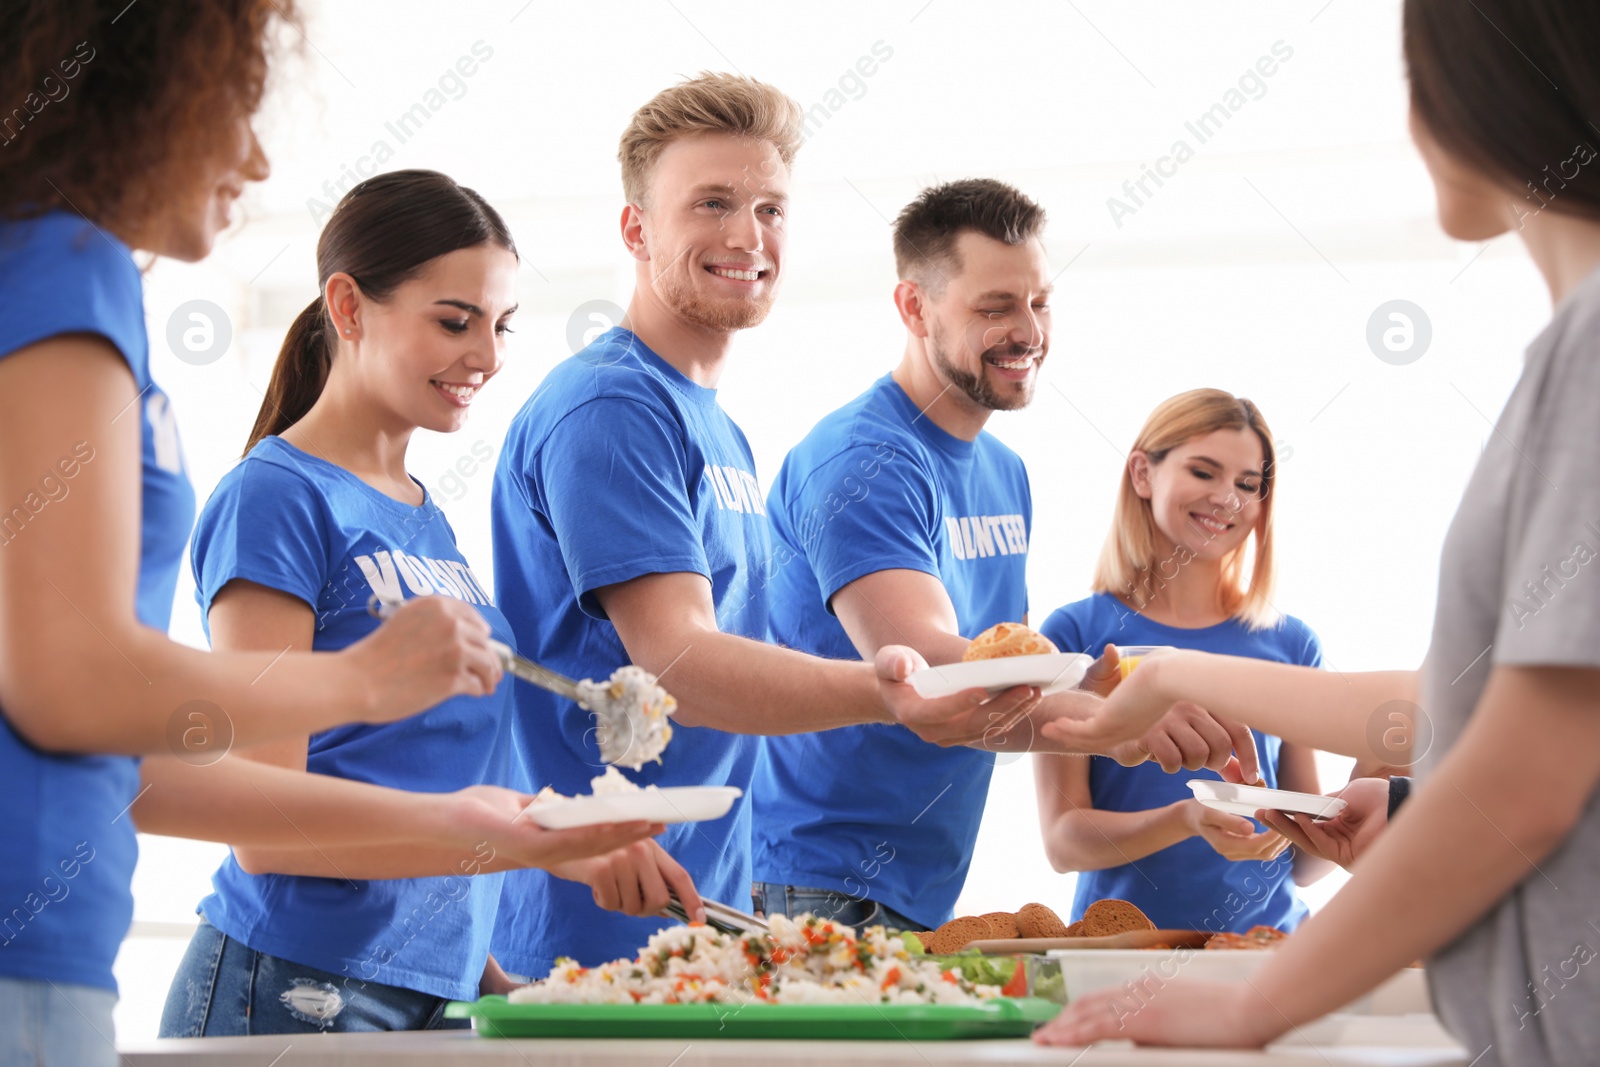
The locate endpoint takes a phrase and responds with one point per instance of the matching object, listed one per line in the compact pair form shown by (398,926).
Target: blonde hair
(710,103)
(1128,566)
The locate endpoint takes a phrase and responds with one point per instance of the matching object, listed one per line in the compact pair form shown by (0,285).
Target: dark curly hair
(104,105)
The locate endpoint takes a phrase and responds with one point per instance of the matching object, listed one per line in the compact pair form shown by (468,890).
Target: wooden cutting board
(1132,939)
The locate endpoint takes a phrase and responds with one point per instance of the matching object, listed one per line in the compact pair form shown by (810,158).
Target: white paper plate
(1246,800)
(1051,673)
(686,803)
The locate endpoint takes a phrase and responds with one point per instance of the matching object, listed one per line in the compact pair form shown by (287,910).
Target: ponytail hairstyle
(383,233)
(1128,566)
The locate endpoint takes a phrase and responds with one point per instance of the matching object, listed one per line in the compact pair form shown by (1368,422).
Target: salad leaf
(981,970)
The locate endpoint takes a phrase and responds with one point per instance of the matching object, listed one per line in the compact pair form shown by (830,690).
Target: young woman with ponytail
(418,283)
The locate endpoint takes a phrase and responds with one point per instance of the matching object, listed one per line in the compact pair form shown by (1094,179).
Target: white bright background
(1254,269)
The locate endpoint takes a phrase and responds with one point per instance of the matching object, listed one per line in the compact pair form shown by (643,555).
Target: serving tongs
(718,917)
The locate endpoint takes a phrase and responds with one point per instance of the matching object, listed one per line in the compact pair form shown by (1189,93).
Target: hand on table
(1183,1012)
(1347,835)
(959,719)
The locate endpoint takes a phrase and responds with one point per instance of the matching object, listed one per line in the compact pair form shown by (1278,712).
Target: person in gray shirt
(1491,871)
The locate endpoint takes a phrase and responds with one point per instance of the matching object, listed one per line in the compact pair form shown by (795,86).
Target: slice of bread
(1003,923)
(1107,917)
(1036,920)
(1076,929)
(956,934)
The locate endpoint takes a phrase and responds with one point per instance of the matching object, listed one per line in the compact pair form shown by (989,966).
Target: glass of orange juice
(1129,656)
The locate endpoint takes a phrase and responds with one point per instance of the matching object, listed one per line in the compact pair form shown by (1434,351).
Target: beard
(723,315)
(1007,396)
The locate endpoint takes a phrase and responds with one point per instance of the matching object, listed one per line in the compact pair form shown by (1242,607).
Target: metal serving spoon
(630,709)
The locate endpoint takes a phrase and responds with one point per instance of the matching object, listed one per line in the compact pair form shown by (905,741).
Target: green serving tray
(494,1016)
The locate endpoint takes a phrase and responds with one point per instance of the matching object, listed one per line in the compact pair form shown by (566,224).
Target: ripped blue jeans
(224,988)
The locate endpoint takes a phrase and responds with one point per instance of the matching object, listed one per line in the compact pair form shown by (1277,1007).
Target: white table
(1337,1040)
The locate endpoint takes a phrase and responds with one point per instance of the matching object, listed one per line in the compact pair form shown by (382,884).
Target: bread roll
(956,934)
(1107,917)
(1008,639)
(1003,923)
(1036,920)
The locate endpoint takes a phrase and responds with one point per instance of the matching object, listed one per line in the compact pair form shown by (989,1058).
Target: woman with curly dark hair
(129,129)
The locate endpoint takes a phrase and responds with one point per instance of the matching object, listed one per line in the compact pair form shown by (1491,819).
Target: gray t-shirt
(1519,585)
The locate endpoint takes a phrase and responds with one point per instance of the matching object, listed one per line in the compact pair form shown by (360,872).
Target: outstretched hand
(1348,834)
(493,815)
(1189,737)
(963,718)
(1233,837)
(1131,709)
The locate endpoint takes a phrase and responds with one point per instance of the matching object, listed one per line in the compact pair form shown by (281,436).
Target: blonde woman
(1188,563)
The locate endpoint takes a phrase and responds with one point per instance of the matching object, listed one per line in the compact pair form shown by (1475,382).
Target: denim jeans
(52,1024)
(770,898)
(224,988)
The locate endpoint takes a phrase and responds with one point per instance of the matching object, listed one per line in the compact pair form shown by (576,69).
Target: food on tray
(1007,972)
(613,782)
(1255,937)
(1008,639)
(1034,920)
(1105,918)
(804,960)
(631,711)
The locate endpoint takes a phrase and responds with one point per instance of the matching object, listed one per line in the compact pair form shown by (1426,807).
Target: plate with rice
(807,978)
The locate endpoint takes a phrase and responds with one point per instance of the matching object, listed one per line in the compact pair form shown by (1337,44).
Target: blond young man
(629,526)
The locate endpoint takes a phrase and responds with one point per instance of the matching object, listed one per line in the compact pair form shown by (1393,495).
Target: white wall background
(1254,269)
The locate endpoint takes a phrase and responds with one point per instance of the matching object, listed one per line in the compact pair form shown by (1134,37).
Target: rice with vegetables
(804,960)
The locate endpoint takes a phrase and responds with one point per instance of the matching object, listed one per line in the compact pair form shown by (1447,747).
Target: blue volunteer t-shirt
(1188,886)
(299,524)
(873,811)
(67,849)
(618,467)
